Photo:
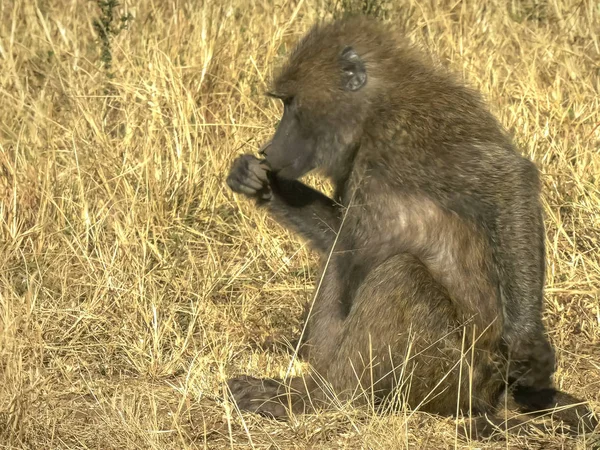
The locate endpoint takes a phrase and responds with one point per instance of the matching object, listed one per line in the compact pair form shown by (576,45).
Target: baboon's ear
(355,73)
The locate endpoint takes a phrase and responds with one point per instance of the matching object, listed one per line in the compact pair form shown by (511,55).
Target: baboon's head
(325,90)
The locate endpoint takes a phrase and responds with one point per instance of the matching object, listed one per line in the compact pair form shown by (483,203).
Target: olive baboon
(433,243)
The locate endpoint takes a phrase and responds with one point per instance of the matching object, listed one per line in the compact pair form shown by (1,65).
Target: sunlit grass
(132,282)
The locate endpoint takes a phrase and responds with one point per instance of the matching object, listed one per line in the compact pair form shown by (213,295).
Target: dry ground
(132,282)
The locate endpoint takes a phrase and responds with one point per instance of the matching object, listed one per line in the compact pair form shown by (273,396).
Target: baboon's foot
(572,414)
(496,428)
(258,395)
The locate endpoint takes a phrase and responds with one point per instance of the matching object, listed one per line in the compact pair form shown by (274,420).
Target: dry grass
(132,282)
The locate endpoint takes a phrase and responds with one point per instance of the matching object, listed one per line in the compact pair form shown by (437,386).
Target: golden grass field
(133,282)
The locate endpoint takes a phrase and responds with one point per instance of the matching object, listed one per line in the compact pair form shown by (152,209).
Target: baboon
(431,286)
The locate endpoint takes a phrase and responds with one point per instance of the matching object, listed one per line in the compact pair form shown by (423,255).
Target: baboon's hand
(248,175)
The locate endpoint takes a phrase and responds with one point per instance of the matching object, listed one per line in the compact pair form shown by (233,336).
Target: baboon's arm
(308,212)
(521,260)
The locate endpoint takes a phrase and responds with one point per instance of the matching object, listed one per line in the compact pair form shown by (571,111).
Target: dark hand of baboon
(248,176)
(432,245)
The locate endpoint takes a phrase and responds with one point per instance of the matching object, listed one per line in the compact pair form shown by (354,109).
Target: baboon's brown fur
(435,232)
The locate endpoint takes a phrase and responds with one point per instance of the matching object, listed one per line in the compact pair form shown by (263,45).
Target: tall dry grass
(132,282)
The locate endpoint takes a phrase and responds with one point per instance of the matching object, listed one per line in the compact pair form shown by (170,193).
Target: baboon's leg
(401,332)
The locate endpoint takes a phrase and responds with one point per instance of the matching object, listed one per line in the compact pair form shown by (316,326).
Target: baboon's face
(292,151)
(317,120)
